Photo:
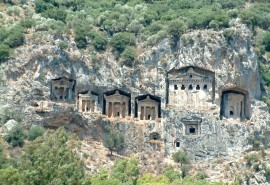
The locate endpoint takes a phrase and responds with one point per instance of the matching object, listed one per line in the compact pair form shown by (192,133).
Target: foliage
(267,173)
(128,57)
(55,13)
(5,52)
(81,34)
(251,158)
(149,179)
(27,23)
(63,45)
(185,169)
(181,157)
(34,132)
(126,171)
(51,159)
(114,141)
(10,176)
(16,136)
(99,41)
(170,173)
(8,114)
(120,40)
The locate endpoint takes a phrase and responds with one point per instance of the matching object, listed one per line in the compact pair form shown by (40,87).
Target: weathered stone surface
(8,125)
(25,83)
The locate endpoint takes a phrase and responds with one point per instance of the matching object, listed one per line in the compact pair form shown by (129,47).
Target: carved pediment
(191,119)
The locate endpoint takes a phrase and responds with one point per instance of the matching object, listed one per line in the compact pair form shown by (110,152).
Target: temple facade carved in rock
(235,104)
(147,107)
(63,89)
(117,104)
(191,87)
(87,102)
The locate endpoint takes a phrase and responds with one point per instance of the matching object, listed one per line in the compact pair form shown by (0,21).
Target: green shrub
(56,13)
(15,37)
(81,33)
(34,132)
(251,158)
(8,113)
(15,137)
(170,173)
(185,169)
(5,52)
(128,57)
(63,45)
(267,174)
(120,40)
(99,41)
(181,157)
(27,23)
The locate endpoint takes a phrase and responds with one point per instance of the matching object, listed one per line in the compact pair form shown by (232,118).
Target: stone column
(80,104)
(107,108)
(156,112)
(139,110)
(85,105)
(144,110)
(120,110)
(126,108)
(113,109)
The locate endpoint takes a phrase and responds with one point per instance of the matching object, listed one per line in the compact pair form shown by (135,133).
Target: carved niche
(147,107)
(88,102)
(63,89)
(117,104)
(191,87)
(192,125)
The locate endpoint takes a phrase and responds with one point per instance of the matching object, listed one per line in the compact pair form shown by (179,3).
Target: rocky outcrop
(25,84)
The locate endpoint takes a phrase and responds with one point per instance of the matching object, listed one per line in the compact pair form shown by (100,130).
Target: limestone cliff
(205,132)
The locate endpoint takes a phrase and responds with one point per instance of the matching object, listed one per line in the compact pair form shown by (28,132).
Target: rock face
(205,92)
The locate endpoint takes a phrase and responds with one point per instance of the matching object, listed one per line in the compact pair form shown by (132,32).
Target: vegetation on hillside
(52,158)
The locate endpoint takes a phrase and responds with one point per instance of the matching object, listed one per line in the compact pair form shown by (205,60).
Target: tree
(99,41)
(16,136)
(34,132)
(170,173)
(5,51)
(10,176)
(126,171)
(52,159)
(120,40)
(181,157)
(114,141)
(128,56)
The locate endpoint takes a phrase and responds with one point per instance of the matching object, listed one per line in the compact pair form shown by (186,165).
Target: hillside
(157,92)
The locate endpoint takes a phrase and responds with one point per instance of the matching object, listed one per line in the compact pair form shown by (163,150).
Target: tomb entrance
(235,104)
(63,89)
(87,101)
(154,136)
(147,107)
(192,125)
(196,88)
(116,104)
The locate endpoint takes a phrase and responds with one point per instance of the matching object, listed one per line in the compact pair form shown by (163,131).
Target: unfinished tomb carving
(88,102)
(192,125)
(235,104)
(116,104)
(147,107)
(191,87)
(63,89)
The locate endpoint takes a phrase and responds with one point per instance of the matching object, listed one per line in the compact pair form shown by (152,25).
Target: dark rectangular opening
(192,130)
(177,144)
(175,87)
